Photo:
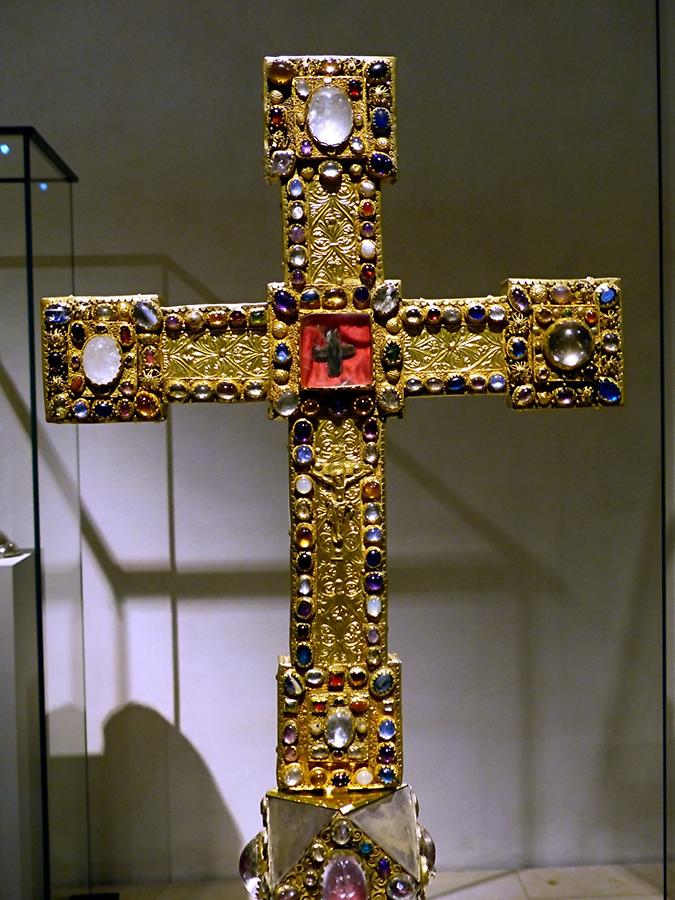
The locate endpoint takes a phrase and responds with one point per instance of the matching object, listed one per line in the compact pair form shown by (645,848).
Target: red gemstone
(126,336)
(367,208)
(125,409)
(150,356)
(336,681)
(591,317)
(76,384)
(237,318)
(344,879)
(354,89)
(319,706)
(276,115)
(218,319)
(368,275)
(358,706)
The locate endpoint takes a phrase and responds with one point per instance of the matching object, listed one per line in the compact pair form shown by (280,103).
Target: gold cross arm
(542,343)
(125,358)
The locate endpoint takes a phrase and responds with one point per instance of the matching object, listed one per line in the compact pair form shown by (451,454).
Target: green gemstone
(392,355)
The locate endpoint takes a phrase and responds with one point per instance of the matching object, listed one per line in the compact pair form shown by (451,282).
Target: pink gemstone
(344,879)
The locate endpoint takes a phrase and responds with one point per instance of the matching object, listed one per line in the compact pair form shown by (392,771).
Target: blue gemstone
(77,333)
(361,294)
(387,775)
(284,304)
(309,297)
(608,296)
(518,348)
(374,582)
(456,384)
(282,355)
(373,558)
(57,315)
(145,314)
(497,383)
(381,121)
(302,431)
(383,866)
(378,70)
(373,536)
(609,392)
(295,188)
(383,684)
(80,409)
(303,655)
(365,848)
(475,314)
(381,164)
(293,686)
(305,562)
(304,455)
(387,729)
(103,410)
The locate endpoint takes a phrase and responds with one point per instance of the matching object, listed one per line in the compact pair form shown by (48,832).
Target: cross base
(358,847)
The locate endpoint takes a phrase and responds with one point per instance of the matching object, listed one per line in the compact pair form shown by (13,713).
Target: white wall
(523,547)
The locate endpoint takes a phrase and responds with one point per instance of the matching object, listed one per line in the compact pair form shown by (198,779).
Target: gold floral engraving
(452,351)
(222,356)
(333,250)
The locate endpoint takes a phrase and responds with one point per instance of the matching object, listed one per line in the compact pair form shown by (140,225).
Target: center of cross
(336,350)
(333,352)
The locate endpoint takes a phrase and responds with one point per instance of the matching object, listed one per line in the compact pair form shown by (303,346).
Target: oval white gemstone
(101,359)
(339,729)
(368,249)
(373,607)
(330,116)
(364,776)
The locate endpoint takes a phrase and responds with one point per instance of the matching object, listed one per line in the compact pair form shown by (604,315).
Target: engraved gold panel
(332,223)
(230,355)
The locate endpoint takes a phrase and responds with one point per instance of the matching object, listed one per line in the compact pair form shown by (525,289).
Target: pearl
(368,249)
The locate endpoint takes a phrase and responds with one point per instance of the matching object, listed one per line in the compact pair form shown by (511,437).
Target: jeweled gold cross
(335,351)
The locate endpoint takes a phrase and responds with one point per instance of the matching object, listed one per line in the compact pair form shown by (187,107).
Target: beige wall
(524,547)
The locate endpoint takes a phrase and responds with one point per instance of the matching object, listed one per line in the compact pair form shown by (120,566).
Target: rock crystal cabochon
(344,879)
(330,117)
(101,359)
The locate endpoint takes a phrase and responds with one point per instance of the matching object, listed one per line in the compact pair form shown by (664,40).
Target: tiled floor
(587,883)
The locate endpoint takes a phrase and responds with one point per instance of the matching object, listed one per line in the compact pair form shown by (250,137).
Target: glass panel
(11,155)
(36,261)
(60,532)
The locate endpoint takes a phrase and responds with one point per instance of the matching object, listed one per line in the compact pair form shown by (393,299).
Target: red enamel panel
(329,341)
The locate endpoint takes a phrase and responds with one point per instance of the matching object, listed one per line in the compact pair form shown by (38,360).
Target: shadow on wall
(158,814)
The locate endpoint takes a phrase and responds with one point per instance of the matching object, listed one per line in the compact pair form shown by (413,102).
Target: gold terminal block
(336,350)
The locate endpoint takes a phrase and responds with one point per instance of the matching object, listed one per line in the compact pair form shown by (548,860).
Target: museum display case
(39,503)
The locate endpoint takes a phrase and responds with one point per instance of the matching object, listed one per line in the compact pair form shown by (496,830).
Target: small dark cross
(333,352)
